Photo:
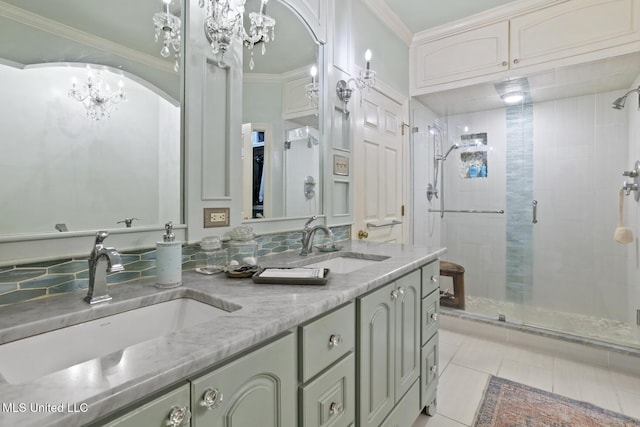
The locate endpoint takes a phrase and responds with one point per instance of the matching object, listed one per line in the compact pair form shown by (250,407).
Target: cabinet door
(572,28)
(376,355)
(469,54)
(407,410)
(170,409)
(407,324)
(258,389)
(429,377)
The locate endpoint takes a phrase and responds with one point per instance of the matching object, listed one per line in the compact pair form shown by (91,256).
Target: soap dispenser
(168,260)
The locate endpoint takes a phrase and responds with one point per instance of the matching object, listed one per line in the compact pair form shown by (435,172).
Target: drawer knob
(434,369)
(434,316)
(515,61)
(335,408)
(434,279)
(504,63)
(178,416)
(212,398)
(335,340)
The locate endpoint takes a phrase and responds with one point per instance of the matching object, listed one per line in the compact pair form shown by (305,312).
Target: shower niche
(473,162)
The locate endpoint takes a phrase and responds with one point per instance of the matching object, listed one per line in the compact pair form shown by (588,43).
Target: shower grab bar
(389,224)
(501,211)
(534,204)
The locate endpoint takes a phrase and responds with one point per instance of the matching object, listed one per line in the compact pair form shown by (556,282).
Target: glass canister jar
(215,259)
(243,248)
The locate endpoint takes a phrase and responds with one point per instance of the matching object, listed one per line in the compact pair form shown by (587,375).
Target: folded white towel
(294,273)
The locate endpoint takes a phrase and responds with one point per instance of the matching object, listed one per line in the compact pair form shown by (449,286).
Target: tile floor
(467,361)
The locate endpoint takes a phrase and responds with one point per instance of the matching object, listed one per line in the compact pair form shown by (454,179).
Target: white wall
(59,166)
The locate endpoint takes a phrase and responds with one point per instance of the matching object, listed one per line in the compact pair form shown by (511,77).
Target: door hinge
(638,317)
(402,214)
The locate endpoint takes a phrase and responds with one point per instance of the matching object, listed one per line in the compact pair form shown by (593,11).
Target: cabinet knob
(178,416)
(335,340)
(434,369)
(434,279)
(515,61)
(335,408)
(362,234)
(434,316)
(394,294)
(401,290)
(504,63)
(212,398)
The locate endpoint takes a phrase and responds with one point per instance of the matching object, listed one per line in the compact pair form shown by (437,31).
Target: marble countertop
(89,390)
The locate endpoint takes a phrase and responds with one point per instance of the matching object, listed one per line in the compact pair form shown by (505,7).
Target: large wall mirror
(282,150)
(63,170)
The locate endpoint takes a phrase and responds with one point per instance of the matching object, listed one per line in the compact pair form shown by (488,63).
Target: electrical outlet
(216,217)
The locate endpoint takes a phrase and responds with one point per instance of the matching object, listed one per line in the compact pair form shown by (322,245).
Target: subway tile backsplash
(25,282)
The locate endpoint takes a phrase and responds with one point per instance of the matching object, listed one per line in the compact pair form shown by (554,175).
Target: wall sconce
(97,96)
(224,24)
(168,25)
(312,90)
(366,79)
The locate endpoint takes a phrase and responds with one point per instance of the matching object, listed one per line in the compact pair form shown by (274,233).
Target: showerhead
(618,104)
(434,129)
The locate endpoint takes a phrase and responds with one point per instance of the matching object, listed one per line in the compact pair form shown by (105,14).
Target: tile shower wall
(43,279)
(632,212)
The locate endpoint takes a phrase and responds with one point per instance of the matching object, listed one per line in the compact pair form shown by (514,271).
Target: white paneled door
(379,170)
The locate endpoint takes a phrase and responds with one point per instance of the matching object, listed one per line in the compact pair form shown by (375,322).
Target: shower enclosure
(529,207)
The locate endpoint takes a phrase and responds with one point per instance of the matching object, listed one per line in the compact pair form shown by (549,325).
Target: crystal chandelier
(312,89)
(97,96)
(223,25)
(168,25)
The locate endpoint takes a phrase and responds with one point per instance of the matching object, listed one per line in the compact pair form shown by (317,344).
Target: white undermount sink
(346,262)
(33,357)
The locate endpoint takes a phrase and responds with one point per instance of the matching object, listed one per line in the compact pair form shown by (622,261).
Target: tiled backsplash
(42,279)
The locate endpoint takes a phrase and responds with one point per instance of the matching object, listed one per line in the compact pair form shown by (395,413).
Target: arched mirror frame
(313,14)
(32,247)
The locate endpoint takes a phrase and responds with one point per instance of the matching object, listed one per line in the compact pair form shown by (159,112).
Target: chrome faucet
(101,261)
(309,232)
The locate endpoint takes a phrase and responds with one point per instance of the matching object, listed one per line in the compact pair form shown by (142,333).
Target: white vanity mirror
(68,165)
(282,144)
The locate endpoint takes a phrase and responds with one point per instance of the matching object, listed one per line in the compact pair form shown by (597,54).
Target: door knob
(362,234)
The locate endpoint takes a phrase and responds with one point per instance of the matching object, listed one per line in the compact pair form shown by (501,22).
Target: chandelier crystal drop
(224,24)
(312,90)
(97,96)
(168,26)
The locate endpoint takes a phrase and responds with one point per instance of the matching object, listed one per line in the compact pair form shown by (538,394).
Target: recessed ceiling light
(512,98)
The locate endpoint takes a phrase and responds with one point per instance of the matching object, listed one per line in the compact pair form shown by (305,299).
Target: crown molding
(382,10)
(58,29)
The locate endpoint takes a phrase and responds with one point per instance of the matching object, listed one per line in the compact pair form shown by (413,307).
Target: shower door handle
(534,205)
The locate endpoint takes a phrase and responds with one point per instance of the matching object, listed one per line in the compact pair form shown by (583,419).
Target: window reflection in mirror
(281,141)
(60,166)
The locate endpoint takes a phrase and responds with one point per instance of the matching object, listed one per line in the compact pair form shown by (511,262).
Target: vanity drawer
(429,371)
(329,400)
(430,277)
(325,340)
(430,313)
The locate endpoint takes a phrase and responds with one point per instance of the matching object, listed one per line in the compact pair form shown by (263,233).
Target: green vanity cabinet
(328,369)
(430,325)
(171,409)
(388,348)
(258,389)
